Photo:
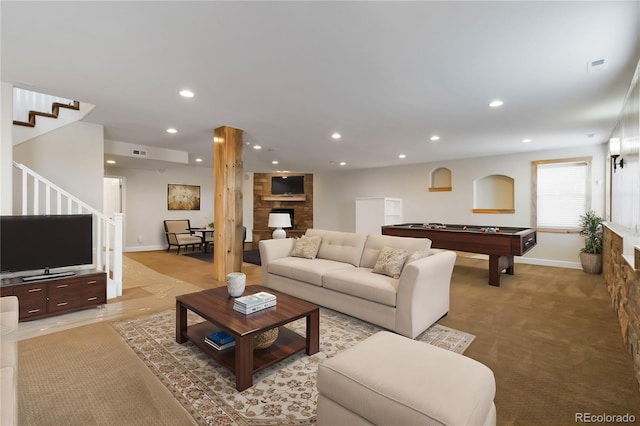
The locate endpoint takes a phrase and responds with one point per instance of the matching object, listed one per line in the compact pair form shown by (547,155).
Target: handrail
(104,225)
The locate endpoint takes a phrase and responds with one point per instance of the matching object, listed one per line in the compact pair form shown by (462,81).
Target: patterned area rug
(284,393)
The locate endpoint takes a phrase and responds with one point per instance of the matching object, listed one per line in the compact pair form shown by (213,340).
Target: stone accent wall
(263,202)
(623,283)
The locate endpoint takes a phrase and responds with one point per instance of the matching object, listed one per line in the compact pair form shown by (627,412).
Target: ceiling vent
(596,64)
(139,152)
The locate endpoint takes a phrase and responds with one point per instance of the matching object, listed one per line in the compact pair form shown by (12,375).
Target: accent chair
(178,234)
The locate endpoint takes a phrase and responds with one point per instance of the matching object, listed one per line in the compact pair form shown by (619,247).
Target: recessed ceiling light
(111,161)
(171,130)
(198,160)
(256,147)
(274,162)
(186,93)
(527,140)
(342,163)
(496,103)
(336,136)
(435,138)
(402,156)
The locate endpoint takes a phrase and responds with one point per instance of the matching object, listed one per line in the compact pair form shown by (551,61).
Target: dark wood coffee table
(216,307)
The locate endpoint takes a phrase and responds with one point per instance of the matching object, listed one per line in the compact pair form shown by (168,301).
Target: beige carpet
(86,376)
(283,394)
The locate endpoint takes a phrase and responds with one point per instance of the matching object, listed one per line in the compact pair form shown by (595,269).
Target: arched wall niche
(494,194)
(440,180)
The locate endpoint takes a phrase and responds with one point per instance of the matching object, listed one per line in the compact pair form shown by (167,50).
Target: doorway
(112,199)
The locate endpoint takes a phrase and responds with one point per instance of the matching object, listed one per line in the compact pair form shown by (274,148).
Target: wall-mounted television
(40,243)
(287,185)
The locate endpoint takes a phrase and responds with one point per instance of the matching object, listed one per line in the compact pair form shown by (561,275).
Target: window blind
(561,194)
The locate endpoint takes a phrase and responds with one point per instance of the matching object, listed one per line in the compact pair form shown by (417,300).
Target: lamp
(614,152)
(279,221)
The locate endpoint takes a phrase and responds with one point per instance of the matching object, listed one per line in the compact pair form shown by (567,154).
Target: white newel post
(117,254)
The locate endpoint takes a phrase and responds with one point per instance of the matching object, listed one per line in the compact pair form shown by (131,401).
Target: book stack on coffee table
(254,302)
(220,340)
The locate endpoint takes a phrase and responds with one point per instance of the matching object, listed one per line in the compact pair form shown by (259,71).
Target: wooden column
(227,167)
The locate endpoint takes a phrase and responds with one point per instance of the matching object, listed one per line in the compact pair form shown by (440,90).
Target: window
(562,193)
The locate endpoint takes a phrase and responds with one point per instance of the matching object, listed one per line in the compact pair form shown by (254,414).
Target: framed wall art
(183,197)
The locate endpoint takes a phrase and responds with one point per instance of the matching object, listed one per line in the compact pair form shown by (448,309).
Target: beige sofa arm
(8,314)
(271,250)
(423,292)
(8,360)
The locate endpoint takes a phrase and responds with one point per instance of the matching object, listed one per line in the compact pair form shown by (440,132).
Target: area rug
(249,256)
(283,394)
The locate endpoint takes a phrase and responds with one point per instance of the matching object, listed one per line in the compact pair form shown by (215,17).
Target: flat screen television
(287,185)
(40,243)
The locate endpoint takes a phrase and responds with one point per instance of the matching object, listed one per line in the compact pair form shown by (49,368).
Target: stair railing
(58,201)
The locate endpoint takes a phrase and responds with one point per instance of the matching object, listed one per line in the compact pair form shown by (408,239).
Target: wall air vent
(139,152)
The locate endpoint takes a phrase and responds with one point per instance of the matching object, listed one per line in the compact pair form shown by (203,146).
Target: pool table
(500,243)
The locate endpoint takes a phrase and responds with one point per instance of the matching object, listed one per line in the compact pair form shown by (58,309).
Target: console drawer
(32,299)
(64,295)
(94,290)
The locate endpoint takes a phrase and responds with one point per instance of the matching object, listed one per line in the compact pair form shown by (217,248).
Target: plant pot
(591,263)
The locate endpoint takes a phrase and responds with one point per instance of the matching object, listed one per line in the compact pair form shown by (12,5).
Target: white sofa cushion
(340,246)
(375,243)
(362,283)
(305,270)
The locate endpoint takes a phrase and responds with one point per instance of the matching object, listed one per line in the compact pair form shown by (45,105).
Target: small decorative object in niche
(183,197)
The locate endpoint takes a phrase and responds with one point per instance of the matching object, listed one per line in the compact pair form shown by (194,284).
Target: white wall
(70,157)
(145,203)
(6,148)
(335,194)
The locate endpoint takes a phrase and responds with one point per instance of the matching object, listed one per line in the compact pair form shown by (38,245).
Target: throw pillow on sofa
(306,247)
(390,261)
(417,255)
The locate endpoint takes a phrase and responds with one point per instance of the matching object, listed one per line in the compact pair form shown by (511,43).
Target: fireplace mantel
(285,198)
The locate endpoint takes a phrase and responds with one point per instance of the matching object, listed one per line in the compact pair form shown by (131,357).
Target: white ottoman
(389,379)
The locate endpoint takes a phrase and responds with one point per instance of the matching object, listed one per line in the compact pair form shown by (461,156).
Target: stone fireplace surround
(264,203)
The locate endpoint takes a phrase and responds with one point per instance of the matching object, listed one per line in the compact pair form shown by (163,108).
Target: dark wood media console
(48,297)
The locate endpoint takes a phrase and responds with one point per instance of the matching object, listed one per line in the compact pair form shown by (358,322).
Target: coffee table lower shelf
(287,344)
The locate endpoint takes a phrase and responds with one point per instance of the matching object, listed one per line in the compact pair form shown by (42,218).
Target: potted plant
(591,253)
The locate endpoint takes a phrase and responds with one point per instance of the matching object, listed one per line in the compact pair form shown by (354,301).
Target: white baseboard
(144,248)
(549,262)
(530,261)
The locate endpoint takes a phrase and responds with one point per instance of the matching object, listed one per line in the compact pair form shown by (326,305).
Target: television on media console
(287,185)
(37,244)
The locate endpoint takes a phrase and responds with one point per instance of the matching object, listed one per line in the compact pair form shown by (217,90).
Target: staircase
(36,195)
(40,196)
(55,111)
(49,112)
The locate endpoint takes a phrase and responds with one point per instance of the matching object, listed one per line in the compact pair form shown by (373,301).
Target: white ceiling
(386,75)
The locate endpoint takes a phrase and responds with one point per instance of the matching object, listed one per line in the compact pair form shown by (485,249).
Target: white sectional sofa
(341,277)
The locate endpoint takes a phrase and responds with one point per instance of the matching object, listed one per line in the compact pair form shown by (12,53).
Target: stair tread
(55,107)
